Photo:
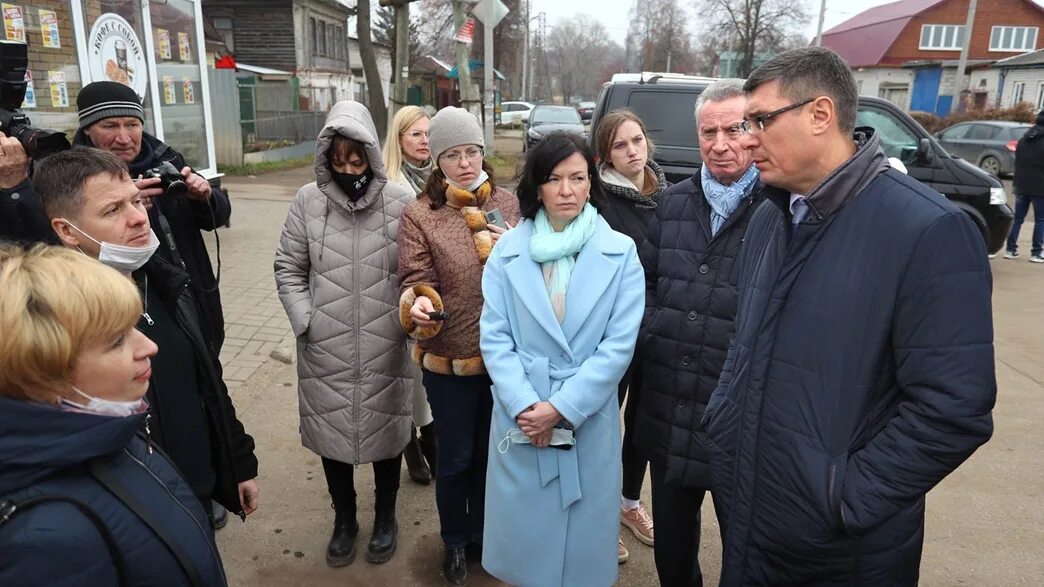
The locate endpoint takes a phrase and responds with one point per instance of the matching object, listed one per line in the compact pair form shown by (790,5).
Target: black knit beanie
(100,100)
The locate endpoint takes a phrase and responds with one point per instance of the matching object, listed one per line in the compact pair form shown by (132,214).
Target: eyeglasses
(757,123)
(415,135)
(473,154)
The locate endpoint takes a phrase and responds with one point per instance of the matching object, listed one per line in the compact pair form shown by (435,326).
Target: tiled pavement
(255,323)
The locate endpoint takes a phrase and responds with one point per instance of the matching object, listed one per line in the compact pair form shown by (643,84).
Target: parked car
(585,109)
(987,143)
(514,112)
(544,120)
(666,103)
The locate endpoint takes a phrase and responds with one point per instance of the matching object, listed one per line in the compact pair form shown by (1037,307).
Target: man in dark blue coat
(861,373)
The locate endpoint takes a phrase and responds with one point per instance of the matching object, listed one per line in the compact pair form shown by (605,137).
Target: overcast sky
(613,13)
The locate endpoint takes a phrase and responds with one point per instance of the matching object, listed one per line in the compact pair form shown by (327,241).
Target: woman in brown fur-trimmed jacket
(444,241)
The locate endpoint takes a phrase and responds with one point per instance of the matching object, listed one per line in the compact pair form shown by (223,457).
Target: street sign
(490,12)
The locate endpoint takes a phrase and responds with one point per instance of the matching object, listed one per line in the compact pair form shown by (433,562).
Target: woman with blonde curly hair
(74,464)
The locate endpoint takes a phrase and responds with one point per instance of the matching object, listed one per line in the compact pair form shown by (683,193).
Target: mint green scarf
(556,252)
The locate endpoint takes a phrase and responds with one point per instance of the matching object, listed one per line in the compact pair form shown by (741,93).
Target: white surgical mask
(106,407)
(121,257)
(479,180)
(559,437)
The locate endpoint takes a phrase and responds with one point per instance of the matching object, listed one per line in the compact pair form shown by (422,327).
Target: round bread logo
(115,53)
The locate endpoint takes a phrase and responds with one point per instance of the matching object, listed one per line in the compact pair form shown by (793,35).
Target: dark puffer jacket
(861,374)
(186,218)
(690,301)
(1029,161)
(22,218)
(45,452)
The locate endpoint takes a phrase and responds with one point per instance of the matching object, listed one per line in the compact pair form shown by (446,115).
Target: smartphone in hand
(495,218)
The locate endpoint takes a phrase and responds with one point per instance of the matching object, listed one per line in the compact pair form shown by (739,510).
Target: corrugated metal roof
(1024,60)
(884,13)
(864,39)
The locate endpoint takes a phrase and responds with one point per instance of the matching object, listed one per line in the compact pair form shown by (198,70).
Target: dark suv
(666,103)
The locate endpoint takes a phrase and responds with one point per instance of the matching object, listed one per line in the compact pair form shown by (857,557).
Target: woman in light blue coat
(564,296)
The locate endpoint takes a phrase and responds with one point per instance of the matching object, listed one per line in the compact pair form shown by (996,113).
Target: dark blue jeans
(1022,204)
(462,408)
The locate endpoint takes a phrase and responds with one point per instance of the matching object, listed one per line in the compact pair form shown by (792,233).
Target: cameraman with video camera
(183,202)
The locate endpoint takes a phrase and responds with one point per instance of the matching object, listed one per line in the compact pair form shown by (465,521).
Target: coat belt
(553,463)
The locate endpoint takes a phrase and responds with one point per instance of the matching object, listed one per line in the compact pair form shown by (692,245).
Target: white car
(514,112)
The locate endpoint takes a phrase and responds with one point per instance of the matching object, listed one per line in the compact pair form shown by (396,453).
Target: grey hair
(719,91)
(810,72)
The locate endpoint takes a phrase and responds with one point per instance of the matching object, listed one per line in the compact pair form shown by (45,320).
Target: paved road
(985,524)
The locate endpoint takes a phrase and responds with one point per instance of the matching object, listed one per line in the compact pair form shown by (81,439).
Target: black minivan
(666,103)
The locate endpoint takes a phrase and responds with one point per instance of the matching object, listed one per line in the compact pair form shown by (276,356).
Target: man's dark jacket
(186,218)
(861,374)
(45,452)
(22,219)
(1029,161)
(690,301)
(232,448)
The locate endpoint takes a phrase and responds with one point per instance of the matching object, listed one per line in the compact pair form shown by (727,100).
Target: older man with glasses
(861,372)
(690,259)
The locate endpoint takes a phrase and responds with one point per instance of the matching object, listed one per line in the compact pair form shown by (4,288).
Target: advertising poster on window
(184,49)
(188,92)
(49,28)
(30,93)
(169,96)
(59,89)
(14,22)
(164,43)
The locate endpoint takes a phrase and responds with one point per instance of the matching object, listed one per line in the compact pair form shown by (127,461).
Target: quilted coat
(861,375)
(690,300)
(336,272)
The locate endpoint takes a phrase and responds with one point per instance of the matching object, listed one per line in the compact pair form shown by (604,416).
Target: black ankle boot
(385,531)
(455,566)
(429,447)
(415,464)
(341,550)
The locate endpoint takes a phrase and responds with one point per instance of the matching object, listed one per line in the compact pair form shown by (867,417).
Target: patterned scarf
(556,252)
(416,176)
(724,199)
(614,183)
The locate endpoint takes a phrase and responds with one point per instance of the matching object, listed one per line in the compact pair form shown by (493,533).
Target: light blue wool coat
(553,516)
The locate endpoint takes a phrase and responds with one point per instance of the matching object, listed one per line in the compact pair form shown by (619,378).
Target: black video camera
(170,179)
(37,142)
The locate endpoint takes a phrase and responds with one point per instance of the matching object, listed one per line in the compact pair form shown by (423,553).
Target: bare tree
(374,91)
(658,38)
(435,28)
(579,51)
(754,25)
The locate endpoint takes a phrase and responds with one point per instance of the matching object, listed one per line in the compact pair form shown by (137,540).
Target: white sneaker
(1011,254)
(621,552)
(1036,259)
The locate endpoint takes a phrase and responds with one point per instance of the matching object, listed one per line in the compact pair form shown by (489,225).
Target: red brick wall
(988,13)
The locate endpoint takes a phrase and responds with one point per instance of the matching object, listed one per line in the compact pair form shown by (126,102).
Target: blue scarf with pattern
(724,199)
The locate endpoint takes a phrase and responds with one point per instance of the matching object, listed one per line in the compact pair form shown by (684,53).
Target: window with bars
(1015,39)
(942,37)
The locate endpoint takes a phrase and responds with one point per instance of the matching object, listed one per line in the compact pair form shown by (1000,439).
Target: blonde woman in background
(407,159)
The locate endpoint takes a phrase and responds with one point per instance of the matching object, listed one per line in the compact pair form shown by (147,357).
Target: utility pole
(822,17)
(467,99)
(402,54)
(958,84)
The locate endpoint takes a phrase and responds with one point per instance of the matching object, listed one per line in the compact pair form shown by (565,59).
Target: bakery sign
(116,54)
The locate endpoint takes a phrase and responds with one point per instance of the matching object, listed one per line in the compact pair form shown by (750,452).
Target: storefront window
(178,75)
(116,47)
(47,27)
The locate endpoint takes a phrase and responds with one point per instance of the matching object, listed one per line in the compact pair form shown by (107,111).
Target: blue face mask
(559,437)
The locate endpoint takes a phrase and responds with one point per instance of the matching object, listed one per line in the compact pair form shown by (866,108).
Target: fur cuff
(406,302)
(446,366)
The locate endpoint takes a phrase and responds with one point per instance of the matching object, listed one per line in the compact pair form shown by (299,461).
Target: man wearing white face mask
(95,207)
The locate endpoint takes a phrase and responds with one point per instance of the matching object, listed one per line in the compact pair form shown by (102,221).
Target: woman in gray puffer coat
(336,272)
